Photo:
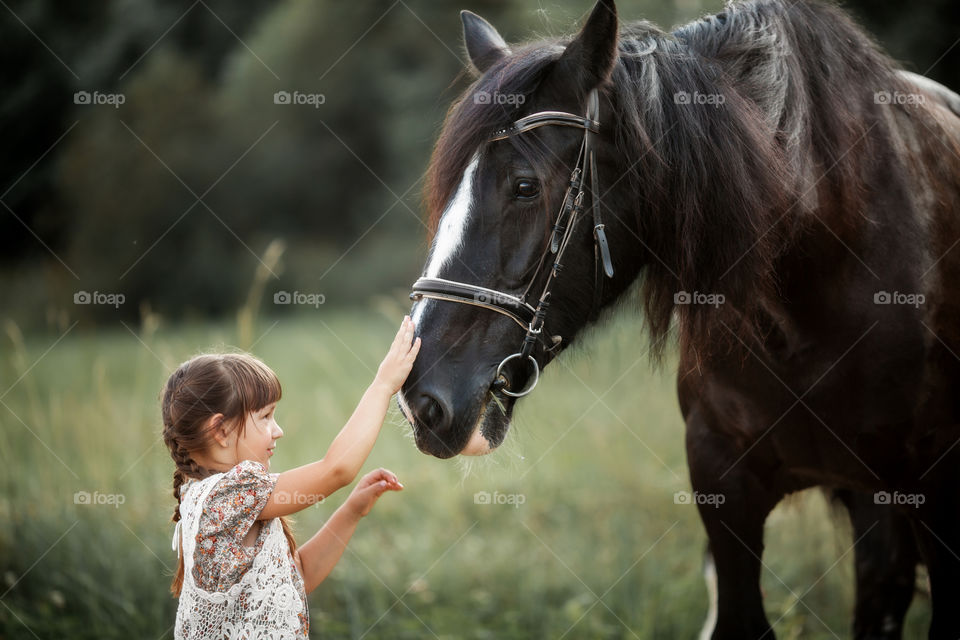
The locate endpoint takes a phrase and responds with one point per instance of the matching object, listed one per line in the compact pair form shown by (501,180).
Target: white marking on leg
(710,577)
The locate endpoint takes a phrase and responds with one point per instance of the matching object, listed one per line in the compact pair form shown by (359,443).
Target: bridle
(515,307)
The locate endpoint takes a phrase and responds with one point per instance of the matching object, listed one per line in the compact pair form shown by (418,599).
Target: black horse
(787,202)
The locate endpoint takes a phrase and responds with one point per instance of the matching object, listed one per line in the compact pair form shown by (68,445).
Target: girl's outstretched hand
(399,360)
(369,489)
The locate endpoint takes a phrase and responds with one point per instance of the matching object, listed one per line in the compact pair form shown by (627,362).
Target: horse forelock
(476,115)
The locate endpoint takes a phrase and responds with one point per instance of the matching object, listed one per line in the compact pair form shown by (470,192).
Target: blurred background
(185,176)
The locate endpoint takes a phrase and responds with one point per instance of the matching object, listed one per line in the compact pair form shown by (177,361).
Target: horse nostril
(430,412)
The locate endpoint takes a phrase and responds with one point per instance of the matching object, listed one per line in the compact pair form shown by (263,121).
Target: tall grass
(597,549)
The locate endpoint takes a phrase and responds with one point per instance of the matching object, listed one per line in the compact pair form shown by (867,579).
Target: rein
(531,318)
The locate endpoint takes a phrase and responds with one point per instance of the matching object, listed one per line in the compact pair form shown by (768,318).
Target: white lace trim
(263,605)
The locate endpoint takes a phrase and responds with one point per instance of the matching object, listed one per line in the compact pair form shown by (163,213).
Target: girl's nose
(277,432)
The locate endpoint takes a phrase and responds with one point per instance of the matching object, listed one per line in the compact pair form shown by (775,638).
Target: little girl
(240,573)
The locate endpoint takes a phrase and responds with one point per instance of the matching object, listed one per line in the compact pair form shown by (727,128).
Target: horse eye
(526,189)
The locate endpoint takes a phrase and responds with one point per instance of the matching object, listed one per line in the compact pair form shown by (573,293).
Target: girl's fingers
(405,334)
(373,477)
(380,474)
(381,487)
(412,348)
(388,475)
(399,331)
(393,482)
(377,489)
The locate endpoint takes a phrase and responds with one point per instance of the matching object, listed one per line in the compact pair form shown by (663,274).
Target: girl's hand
(399,360)
(369,489)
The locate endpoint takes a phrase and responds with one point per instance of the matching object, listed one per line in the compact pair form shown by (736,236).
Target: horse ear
(590,58)
(484,45)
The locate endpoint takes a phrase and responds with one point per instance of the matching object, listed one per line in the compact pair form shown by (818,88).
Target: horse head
(565,168)
(501,206)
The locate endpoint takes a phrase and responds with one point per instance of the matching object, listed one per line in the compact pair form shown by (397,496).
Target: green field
(597,549)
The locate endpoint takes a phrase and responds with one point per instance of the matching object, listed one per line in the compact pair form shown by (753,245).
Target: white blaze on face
(446,243)
(450,232)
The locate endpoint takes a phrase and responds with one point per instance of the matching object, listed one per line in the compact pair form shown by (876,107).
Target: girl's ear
(215,425)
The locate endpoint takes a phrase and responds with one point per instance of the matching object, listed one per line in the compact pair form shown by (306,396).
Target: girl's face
(259,436)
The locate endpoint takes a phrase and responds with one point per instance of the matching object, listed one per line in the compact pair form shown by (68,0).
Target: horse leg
(886,557)
(733,505)
(938,535)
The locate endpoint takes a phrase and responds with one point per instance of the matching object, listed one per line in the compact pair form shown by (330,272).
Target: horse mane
(718,192)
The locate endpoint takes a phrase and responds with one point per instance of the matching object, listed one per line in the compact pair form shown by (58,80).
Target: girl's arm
(299,488)
(320,554)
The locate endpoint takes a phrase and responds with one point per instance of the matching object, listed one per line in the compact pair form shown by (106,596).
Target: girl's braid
(186,466)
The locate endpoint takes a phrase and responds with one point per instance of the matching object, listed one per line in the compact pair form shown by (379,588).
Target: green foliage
(339,183)
(113,202)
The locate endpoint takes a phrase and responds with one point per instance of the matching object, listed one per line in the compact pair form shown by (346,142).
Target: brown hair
(234,384)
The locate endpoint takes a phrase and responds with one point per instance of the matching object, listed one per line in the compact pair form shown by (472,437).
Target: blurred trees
(922,37)
(171,197)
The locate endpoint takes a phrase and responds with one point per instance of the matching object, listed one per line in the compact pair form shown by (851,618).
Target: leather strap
(441,289)
(545,118)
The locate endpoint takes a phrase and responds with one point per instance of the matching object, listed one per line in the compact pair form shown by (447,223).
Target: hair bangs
(256,385)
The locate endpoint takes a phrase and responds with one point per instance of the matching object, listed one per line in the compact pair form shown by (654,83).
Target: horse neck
(732,186)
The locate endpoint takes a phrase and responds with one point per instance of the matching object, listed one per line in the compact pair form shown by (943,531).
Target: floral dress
(230,590)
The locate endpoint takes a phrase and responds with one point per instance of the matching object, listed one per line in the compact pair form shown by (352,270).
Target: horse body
(849,386)
(854,381)
(880,375)
(820,198)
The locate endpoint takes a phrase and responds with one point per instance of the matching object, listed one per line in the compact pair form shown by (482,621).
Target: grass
(597,549)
